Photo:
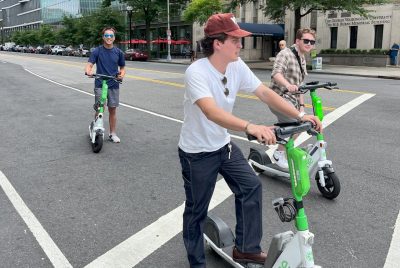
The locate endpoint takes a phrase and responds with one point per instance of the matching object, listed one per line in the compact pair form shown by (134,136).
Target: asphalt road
(88,203)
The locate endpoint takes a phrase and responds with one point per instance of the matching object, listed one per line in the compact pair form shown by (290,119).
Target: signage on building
(356,21)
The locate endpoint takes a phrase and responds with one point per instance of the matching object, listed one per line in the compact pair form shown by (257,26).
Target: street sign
(168,32)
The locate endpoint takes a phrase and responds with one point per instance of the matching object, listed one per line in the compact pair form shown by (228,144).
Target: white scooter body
(96,127)
(317,161)
(286,249)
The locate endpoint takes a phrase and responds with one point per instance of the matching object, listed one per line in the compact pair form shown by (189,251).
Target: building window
(332,15)
(334,37)
(313,21)
(353,36)
(255,11)
(345,15)
(254,42)
(378,36)
(243,14)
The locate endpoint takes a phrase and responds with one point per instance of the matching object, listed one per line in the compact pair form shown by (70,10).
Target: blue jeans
(199,172)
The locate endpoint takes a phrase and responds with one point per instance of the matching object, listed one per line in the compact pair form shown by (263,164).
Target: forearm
(88,67)
(276,102)
(280,79)
(122,71)
(220,116)
(226,120)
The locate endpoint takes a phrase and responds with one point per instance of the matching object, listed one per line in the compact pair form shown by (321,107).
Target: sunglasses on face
(308,41)
(108,35)
(226,91)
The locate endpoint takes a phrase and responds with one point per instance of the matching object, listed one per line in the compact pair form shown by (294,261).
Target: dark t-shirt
(107,62)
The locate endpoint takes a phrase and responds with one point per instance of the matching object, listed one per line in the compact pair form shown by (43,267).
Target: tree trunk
(297,22)
(148,38)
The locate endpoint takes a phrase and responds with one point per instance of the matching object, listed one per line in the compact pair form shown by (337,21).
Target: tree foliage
(276,9)
(85,30)
(200,10)
(150,11)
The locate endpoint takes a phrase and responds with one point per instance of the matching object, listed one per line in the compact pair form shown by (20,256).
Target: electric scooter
(287,249)
(319,166)
(96,127)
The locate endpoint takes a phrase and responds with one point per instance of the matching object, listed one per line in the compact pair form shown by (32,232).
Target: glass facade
(54,10)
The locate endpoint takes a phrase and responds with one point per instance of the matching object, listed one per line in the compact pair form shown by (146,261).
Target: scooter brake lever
(312,132)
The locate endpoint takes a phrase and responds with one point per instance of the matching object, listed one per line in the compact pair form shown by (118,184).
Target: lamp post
(168,34)
(129,9)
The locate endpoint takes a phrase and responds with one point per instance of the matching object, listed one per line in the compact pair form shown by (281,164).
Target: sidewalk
(388,72)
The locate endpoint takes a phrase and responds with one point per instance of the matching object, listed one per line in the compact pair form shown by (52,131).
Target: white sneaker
(114,138)
(280,159)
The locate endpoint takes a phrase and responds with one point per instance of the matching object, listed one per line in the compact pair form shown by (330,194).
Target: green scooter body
(103,98)
(300,180)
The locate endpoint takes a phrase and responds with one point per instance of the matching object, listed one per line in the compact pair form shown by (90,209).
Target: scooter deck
(226,254)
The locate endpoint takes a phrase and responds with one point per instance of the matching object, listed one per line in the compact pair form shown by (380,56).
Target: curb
(310,71)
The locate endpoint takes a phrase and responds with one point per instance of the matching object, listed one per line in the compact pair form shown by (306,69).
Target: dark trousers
(199,172)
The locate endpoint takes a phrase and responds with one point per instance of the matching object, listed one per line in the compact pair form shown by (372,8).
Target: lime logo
(284,264)
(309,161)
(309,256)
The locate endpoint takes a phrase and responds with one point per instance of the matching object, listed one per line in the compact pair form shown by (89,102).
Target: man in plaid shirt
(288,73)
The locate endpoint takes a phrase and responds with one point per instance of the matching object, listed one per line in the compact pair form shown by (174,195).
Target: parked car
(58,49)
(69,51)
(136,54)
(81,52)
(29,49)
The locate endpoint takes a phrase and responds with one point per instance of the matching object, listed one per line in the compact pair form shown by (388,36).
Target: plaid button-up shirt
(286,63)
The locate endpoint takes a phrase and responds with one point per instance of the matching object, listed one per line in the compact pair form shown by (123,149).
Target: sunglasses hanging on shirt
(224,82)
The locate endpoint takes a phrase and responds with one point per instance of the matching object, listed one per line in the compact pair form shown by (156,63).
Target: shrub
(375,51)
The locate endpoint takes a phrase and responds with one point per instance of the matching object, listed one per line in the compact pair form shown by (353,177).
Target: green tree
(47,35)
(150,11)
(106,3)
(32,37)
(276,9)
(16,37)
(88,28)
(68,33)
(200,10)
(107,17)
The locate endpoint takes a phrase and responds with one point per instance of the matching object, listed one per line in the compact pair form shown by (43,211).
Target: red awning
(163,41)
(182,42)
(134,41)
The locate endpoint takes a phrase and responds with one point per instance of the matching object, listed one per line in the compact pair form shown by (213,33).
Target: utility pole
(168,34)
(129,10)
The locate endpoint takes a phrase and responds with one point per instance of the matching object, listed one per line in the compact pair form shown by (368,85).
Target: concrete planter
(355,59)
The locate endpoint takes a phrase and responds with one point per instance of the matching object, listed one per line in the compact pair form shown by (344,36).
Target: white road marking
(146,241)
(393,257)
(122,104)
(55,255)
(152,237)
(149,239)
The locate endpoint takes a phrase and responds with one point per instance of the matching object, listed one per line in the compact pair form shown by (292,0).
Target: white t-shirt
(202,80)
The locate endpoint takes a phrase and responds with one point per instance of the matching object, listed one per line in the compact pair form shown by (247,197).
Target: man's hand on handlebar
(120,77)
(89,73)
(314,120)
(292,88)
(264,134)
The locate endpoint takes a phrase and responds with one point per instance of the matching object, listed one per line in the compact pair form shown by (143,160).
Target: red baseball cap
(224,23)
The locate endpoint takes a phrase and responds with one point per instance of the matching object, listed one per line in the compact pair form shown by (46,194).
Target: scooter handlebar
(105,77)
(313,85)
(286,130)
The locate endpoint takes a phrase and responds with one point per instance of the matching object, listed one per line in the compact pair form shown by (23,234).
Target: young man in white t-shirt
(205,146)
